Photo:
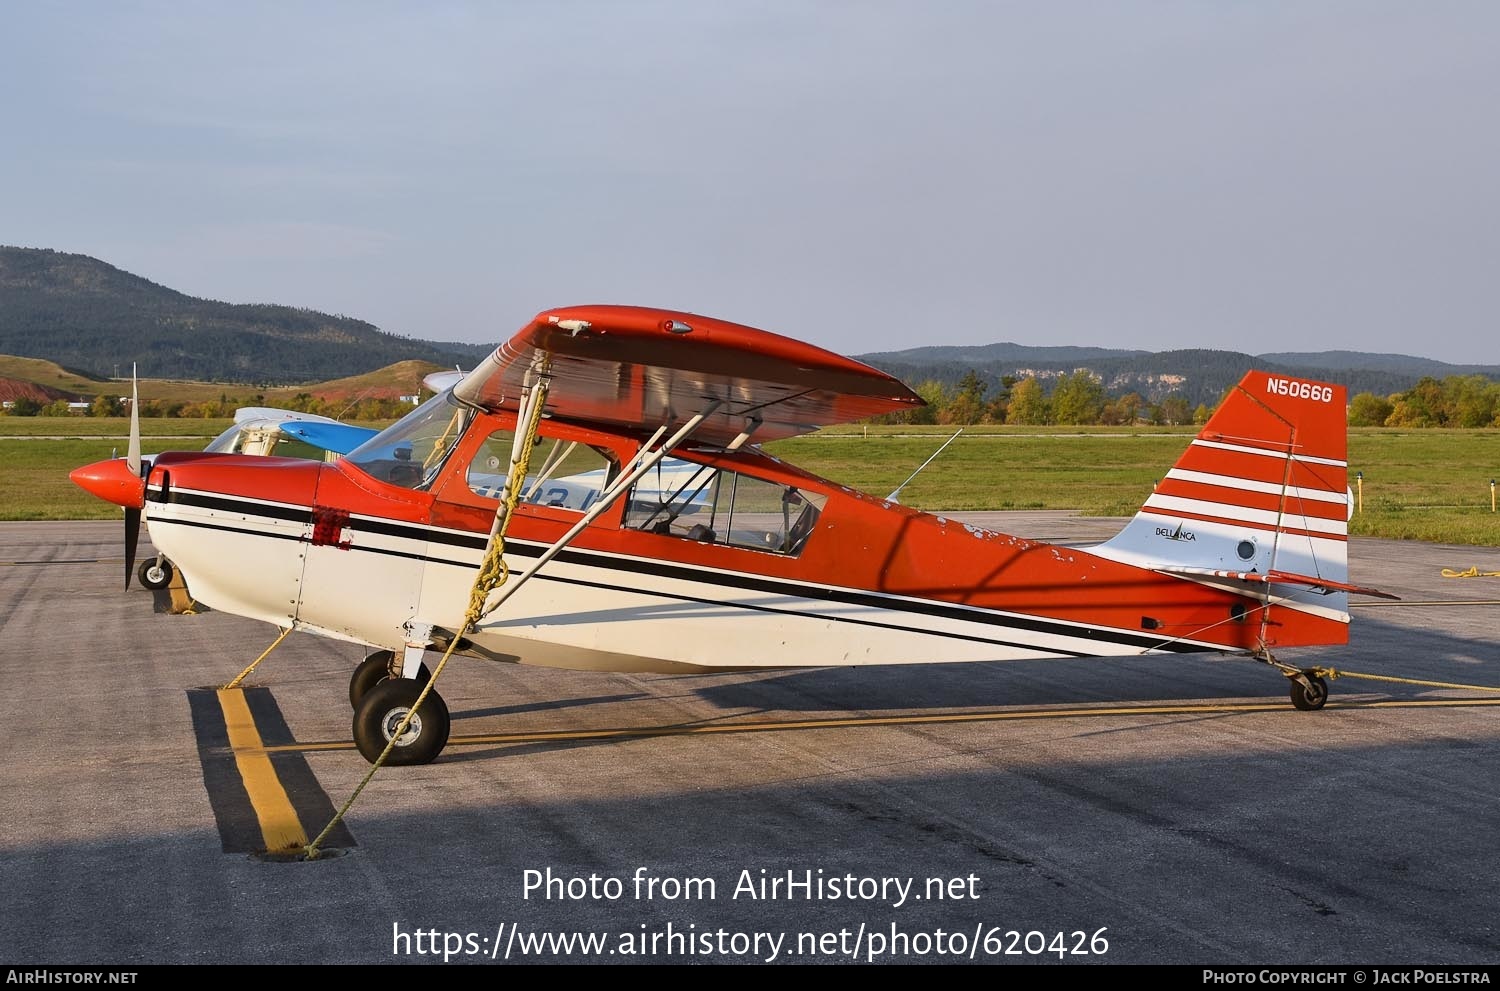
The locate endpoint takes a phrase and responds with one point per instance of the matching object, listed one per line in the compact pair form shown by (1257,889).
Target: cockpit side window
(710,505)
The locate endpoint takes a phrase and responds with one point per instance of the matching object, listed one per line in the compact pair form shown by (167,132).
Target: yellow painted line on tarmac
(628,733)
(66,560)
(278,819)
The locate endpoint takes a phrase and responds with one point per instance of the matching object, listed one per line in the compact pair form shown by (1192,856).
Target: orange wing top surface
(637,367)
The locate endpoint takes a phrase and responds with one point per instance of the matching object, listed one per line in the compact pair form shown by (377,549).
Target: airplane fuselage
(337,550)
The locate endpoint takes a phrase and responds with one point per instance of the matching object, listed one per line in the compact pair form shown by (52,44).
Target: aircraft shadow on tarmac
(544,706)
(1377,647)
(1196,687)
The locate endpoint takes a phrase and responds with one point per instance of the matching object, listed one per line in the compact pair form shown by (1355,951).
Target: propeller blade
(133,459)
(132,537)
(133,452)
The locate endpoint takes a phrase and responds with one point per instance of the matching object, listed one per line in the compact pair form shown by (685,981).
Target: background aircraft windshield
(410,451)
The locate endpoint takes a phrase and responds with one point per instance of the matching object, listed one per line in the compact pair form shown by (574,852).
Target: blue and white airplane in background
(288,433)
(272,432)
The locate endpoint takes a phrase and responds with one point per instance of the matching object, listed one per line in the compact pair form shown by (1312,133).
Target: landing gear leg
(375,668)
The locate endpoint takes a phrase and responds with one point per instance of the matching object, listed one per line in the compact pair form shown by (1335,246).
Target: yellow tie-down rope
(493,573)
(241,676)
(1472,572)
(1332,673)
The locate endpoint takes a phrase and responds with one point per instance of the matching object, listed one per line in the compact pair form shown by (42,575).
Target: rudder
(1262,491)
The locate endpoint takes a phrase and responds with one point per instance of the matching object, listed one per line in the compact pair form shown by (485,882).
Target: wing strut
(646,459)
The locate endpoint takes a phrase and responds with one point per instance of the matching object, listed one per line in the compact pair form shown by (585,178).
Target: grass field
(109,426)
(1430,485)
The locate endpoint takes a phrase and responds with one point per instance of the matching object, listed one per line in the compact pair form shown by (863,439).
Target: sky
(1247,175)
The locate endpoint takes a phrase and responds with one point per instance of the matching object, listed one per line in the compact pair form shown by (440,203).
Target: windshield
(225,443)
(410,451)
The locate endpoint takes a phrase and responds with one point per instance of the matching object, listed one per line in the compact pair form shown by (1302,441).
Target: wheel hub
(392,723)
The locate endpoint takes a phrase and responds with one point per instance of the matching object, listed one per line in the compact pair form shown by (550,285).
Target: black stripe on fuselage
(230,504)
(729,579)
(297,537)
(385,528)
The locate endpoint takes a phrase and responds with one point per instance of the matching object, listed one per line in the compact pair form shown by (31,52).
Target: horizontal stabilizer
(1277,577)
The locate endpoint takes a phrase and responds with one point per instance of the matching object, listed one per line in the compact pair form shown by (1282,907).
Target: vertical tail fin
(1260,496)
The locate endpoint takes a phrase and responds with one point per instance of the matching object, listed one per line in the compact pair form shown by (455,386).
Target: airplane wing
(438,381)
(260,415)
(340,438)
(638,367)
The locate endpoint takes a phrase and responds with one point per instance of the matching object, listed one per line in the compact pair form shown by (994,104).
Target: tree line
(1077,399)
(368,408)
(1454,401)
(1080,399)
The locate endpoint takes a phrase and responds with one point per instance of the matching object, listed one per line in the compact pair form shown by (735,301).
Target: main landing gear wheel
(375,668)
(154,574)
(380,713)
(1312,696)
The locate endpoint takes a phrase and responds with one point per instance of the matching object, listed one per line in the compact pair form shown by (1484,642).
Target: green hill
(94,318)
(46,380)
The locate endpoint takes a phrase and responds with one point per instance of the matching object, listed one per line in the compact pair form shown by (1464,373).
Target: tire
(1310,699)
(375,668)
(380,713)
(153,575)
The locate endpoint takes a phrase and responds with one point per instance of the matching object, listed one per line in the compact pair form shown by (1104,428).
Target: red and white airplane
(729,558)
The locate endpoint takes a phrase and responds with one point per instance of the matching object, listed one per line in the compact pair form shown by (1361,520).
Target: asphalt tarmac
(1152,810)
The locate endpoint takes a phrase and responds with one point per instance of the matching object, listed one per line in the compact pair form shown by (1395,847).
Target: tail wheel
(155,573)
(1313,695)
(375,668)
(383,709)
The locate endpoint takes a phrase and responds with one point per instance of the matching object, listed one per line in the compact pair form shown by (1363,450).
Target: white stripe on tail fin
(1259,501)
